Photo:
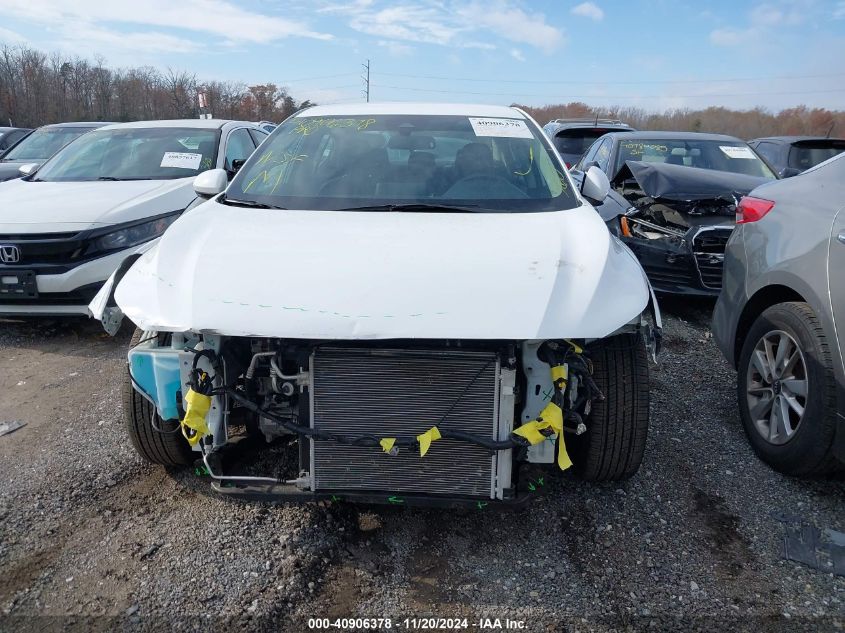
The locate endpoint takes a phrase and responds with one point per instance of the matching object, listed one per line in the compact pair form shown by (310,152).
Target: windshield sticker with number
(181,160)
(506,128)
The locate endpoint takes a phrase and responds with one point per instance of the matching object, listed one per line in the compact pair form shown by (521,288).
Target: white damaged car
(106,195)
(411,300)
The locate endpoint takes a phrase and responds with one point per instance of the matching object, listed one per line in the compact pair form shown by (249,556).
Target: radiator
(395,392)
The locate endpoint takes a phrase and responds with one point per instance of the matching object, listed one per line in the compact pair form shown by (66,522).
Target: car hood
(43,207)
(9,170)
(687,184)
(381,275)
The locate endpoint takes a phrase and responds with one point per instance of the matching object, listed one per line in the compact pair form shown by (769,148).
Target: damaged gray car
(673,201)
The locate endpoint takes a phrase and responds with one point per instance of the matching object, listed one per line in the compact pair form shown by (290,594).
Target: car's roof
(91,124)
(796,139)
(455,109)
(666,136)
(199,124)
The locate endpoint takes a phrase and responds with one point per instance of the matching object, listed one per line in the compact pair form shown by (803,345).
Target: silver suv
(779,316)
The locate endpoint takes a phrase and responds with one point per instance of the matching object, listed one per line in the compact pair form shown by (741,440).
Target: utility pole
(366,80)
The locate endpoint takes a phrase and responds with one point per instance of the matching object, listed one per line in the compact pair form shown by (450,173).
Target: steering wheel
(485,182)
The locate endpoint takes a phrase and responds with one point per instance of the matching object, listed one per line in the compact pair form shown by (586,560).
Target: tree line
(36,89)
(745,124)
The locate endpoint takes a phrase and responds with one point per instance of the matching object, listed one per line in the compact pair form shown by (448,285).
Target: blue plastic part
(156,372)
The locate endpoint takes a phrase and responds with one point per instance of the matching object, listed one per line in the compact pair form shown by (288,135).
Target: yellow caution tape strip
(427,438)
(550,418)
(197,410)
(560,376)
(387,443)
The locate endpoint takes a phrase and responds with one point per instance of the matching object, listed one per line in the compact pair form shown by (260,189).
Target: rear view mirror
(28,169)
(789,172)
(595,185)
(210,183)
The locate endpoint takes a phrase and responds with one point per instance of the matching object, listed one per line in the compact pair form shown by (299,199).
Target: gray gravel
(91,538)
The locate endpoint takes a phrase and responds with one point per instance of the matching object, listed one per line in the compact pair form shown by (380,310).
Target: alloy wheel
(776,387)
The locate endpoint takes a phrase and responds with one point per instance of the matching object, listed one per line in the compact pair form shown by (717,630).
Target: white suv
(107,195)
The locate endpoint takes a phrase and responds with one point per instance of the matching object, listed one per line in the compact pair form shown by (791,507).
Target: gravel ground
(91,538)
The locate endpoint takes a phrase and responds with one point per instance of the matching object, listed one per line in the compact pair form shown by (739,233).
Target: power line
(614,81)
(603,96)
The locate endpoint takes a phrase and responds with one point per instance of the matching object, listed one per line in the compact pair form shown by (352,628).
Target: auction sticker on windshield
(508,128)
(732,151)
(181,160)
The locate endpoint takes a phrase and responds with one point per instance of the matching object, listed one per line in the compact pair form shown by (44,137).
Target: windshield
(482,164)
(808,154)
(163,153)
(732,156)
(43,143)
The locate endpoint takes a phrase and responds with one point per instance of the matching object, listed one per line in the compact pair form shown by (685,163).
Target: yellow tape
(550,418)
(560,372)
(197,410)
(575,348)
(427,438)
(387,443)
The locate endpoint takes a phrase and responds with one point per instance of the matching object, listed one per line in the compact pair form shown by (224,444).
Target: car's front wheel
(612,447)
(787,391)
(154,439)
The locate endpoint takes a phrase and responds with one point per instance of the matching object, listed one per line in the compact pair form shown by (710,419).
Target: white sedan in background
(66,227)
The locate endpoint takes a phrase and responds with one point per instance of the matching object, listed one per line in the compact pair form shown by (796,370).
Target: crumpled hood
(681,183)
(379,275)
(43,207)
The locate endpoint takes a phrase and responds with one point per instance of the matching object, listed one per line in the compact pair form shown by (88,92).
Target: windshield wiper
(434,208)
(248,203)
(113,179)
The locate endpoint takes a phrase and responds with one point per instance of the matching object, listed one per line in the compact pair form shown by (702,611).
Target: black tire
(169,448)
(809,452)
(612,447)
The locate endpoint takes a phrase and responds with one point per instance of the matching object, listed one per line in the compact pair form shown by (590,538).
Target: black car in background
(40,145)
(11,135)
(790,155)
(673,201)
(572,137)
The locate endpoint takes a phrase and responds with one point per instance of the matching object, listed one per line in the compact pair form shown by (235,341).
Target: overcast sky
(649,53)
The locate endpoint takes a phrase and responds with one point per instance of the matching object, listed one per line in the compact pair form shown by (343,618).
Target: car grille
(395,392)
(42,249)
(709,248)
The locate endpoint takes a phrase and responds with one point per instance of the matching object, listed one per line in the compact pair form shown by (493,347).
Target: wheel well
(763,299)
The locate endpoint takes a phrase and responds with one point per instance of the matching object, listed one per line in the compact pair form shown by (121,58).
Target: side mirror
(28,169)
(236,166)
(789,172)
(210,183)
(595,185)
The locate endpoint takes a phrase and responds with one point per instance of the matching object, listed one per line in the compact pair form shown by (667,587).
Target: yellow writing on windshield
(307,126)
(638,149)
(276,164)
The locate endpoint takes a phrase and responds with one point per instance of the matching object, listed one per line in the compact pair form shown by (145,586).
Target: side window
(769,151)
(258,136)
(603,154)
(238,147)
(589,156)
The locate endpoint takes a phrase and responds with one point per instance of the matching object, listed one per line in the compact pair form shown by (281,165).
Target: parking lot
(92,538)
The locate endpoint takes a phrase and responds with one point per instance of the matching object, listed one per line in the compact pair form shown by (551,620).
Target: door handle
(841,237)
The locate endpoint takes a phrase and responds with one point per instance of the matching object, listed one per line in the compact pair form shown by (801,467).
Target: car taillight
(752,209)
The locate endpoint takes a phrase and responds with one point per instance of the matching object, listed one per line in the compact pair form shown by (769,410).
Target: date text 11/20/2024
(418,624)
